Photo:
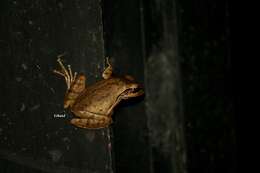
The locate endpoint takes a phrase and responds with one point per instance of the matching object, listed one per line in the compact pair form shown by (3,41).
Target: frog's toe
(90,123)
(108,71)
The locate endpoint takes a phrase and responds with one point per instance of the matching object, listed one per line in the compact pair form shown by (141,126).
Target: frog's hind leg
(75,83)
(91,123)
(108,71)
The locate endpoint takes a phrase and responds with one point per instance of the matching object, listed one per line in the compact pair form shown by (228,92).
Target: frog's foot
(91,123)
(108,71)
(66,73)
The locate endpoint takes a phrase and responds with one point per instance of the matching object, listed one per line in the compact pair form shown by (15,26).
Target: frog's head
(131,89)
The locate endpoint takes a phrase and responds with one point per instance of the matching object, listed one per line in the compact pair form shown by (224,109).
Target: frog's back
(99,97)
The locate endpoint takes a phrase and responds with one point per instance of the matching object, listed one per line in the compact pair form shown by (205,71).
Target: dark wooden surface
(32,35)
(141,36)
(179,50)
(164,105)
(123,43)
(205,51)
(185,48)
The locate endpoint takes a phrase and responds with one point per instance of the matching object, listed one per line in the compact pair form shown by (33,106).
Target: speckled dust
(90,136)
(24,66)
(23,107)
(55,155)
(35,107)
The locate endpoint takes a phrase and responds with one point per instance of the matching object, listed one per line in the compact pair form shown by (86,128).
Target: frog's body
(93,105)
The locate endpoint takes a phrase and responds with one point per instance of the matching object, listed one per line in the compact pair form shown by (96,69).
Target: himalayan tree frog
(93,105)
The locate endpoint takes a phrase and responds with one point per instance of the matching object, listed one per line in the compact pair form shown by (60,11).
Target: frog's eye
(128,77)
(132,92)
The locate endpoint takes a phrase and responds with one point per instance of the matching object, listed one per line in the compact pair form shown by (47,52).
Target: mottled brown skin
(93,105)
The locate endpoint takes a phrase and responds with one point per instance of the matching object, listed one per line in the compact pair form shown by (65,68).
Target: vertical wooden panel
(164,104)
(204,38)
(33,33)
(123,40)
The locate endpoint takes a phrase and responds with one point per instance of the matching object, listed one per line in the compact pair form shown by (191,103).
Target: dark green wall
(32,35)
(205,52)
(179,49)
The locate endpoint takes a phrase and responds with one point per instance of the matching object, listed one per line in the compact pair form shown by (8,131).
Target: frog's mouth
(132,92)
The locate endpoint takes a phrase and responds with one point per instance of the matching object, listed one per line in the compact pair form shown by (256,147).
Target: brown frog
(93,105)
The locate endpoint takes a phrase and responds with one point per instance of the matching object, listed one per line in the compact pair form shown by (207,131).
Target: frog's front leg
(108,71)
(92,122)
(75,83)
(75,90)
(66,73)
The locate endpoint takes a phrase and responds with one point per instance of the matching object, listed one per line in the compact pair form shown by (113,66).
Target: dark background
(179,50)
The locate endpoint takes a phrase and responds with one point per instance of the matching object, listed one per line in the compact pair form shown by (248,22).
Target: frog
(94,105)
